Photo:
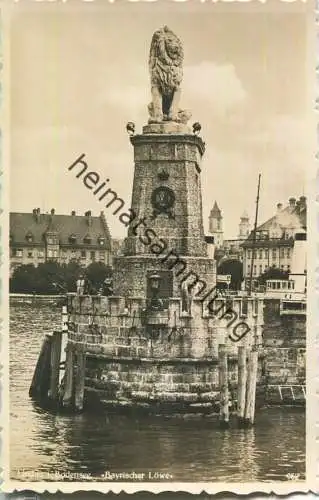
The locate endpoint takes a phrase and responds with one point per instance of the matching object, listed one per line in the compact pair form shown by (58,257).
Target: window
(50,254)
(102,256)
(244,307)
(288,253)
(256,306)
(40,254)
(249,254)
(266,253)
(248,268)
(274,253)
(282,253)
(260,254)
(87,239)
(30,254)
(55,253)
(92,255)
(83,254)
(13,252)
(255,269)
(19,252)
(101,241)
(72,238)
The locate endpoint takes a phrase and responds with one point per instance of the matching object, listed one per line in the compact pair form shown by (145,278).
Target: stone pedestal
(167,233)
(166,128)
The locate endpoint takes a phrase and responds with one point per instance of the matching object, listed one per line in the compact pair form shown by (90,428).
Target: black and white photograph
(159,166)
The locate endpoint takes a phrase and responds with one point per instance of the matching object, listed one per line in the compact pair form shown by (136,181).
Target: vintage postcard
(159,239)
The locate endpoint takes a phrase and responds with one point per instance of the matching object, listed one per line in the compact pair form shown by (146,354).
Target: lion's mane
(166,61)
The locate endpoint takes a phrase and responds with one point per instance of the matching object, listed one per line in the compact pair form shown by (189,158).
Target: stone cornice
(169,138)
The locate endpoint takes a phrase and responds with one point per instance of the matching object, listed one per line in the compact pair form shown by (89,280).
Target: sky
(79,75)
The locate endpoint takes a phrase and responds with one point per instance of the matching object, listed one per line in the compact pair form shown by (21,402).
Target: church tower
(244,226)
(216,225)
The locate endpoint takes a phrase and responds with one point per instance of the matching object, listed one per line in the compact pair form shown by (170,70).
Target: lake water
(44,446)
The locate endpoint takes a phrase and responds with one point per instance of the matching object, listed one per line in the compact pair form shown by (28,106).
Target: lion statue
(166,70)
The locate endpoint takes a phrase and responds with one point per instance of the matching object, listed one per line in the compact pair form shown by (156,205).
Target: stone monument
(166,71)
(154,343)
(167,186)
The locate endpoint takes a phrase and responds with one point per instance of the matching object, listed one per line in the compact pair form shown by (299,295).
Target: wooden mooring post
(223,386)
(55,366)
(79,379)
(41,378)
(241,388)
(64,342)
(67,399)
(249,416)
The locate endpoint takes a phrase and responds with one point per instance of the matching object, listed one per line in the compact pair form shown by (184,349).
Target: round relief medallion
(163,198)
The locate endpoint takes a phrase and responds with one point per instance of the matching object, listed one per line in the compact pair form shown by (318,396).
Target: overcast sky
(79,76)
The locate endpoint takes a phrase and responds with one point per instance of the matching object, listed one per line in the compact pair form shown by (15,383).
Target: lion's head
(166,60)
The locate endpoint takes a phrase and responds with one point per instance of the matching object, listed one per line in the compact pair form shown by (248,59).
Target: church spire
(216,225)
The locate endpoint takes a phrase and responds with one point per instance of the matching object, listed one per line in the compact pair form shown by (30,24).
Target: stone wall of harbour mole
(173,360)
(170,360)
(284,363)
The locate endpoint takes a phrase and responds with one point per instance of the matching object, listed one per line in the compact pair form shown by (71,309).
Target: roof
(39,224)
(215,211)
(290,217)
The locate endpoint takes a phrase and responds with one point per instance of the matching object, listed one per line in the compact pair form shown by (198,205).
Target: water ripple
(189,450)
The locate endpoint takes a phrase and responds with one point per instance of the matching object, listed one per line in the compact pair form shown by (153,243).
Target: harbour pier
(164,342)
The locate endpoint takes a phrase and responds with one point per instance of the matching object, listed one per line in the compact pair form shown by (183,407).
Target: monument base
(168,127)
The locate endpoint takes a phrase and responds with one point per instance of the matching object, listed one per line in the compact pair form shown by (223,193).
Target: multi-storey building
(274,240)
(36,238)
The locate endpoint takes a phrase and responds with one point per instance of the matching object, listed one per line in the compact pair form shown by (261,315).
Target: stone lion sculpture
(166,70)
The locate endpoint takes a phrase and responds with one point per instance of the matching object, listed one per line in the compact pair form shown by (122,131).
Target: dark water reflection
(189,450)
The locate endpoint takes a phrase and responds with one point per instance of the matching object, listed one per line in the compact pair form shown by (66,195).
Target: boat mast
(254,238)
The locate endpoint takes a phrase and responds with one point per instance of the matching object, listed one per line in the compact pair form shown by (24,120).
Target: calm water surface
(190,450)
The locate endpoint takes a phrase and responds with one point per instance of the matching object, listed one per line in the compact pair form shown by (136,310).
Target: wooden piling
(67,399)
(241,388)
(223,386)
(79,380)
(251,388)
(55,365)
(64,318)
(64,341)
(41,378)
